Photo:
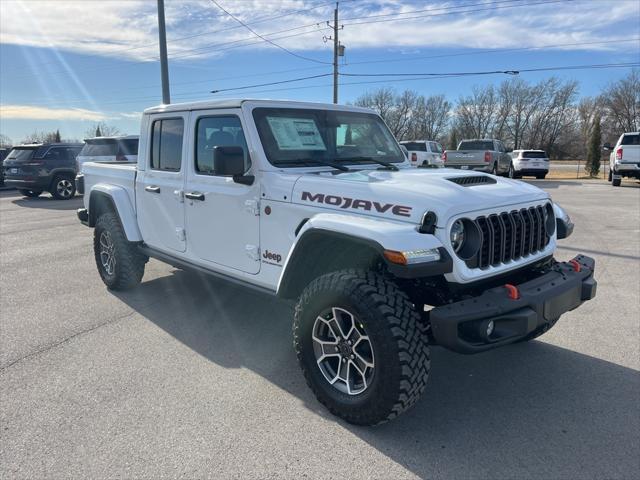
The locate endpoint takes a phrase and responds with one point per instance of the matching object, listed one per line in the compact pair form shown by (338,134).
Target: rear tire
(382,381)
(119,262)
(610,178)
(63,187)
(512,173)
(541,176)
(30,193)
(616,181)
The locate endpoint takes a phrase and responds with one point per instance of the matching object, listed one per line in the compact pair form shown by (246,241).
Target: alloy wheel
(107,253)
(343,351)
(64,188)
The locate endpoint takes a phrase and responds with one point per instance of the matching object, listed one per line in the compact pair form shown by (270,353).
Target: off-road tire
(69,190)
(129,261)
(30,193)
(402,357)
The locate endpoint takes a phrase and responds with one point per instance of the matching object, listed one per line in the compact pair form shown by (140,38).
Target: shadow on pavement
(49,203)
(527,410)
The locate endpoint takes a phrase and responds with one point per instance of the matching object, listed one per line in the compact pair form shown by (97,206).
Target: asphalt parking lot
(190,377)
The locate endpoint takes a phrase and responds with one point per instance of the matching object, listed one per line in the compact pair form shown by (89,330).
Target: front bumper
(459,326)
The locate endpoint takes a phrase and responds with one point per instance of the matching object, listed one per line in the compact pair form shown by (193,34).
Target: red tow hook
(576,266)
(512,291)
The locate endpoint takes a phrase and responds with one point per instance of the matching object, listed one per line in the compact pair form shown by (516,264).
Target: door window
(166,144)
(219,131)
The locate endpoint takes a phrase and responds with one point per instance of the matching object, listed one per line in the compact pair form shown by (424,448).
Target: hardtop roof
(237,103)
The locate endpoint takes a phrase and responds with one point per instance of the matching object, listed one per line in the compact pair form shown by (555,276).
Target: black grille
(509,236)
(472,180)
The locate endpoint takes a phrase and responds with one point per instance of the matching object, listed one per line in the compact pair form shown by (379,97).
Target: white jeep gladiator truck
(624,159)
(317,204)
(483,155)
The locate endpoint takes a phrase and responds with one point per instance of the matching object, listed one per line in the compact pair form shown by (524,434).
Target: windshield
(308,137)
(21,154)
(475,145)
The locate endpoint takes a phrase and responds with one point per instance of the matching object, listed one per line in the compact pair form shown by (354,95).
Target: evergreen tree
(593,149)
(57,136)
(98,132)
(453,139)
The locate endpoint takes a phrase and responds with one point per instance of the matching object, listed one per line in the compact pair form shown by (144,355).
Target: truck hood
(407,194)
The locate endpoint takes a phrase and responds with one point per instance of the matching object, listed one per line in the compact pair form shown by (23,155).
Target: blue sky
(64,65)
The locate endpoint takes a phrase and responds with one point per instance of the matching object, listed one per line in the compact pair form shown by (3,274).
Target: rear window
(129,146)
(475,145)
(633,139)
(21,154)
(530,154)
(100,148)
(415,146)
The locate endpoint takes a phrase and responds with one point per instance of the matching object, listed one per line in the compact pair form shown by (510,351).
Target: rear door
(222,219)
(159,187)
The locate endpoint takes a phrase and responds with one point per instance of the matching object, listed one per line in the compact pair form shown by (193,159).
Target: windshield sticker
(296,133)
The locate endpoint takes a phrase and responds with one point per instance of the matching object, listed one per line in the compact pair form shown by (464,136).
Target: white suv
(424,153)
(532,163)
(108,149)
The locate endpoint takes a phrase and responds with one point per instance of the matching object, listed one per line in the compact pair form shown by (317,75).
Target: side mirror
(607,146)
(509,150)
(229,161)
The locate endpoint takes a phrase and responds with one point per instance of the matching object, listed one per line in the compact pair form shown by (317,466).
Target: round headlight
(457,235)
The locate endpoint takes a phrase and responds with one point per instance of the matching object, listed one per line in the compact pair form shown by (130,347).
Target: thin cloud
(28,112)
(128,29)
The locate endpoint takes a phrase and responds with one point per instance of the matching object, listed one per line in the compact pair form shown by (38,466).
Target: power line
(266,39)
(273,83)
(261,74)
(499,7)
(419,76)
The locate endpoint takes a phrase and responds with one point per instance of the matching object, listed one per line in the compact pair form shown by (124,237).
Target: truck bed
(113,174)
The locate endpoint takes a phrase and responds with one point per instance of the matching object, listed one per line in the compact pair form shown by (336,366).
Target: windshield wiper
(327,163)
(387,165)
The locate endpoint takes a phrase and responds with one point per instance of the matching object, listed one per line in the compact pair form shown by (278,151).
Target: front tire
(30,193)
(541,176)
(384,370)
(119,262)
(64,187)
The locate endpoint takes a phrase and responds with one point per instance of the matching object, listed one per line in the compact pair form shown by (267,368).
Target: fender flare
(373,235)
(121,205)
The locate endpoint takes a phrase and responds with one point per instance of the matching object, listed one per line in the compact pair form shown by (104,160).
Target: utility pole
(336,43)
(164,66)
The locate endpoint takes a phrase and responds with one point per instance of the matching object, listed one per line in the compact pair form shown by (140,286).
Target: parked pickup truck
(317,204)
(624,160)
(423,153)
(484,155)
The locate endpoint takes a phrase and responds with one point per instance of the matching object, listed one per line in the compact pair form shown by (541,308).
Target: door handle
(152,189)
(195,196)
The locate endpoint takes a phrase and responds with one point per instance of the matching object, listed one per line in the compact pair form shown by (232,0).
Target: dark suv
(33,169)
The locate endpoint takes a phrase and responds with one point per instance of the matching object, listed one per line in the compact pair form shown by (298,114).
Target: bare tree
(41,137)
(621,103)
(103,128)
(431,118)
(5,141)
(476,113)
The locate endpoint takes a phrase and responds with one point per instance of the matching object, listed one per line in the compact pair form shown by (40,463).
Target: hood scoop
(471,180)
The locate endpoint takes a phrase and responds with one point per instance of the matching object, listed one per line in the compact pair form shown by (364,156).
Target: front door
(222,219)
(159,187)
